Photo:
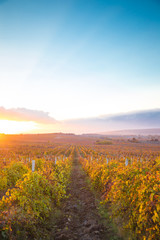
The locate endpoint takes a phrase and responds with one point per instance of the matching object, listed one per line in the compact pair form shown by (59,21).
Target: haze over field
(79,66)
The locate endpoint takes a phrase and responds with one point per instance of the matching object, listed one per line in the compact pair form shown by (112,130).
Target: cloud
(148,117)
(23,114)
(134,120)
(140,120)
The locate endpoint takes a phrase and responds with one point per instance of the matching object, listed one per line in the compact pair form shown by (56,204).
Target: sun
(16,127)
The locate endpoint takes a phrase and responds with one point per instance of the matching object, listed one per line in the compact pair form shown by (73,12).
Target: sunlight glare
(16,127)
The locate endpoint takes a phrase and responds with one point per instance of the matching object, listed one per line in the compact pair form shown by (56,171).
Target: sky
(71,59)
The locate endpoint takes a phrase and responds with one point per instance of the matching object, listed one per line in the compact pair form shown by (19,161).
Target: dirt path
(80,220)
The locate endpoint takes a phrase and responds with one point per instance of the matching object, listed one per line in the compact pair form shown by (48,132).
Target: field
(82,187)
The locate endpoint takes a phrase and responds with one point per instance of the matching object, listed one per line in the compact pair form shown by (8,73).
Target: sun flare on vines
(16,127)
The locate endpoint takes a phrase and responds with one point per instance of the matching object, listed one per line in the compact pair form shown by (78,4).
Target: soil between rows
(80,219)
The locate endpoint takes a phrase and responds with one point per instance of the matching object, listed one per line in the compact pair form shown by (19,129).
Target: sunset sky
(71,59)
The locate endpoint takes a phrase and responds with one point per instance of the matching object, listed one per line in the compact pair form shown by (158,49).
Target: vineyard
(27,194)
(36,181)
(131,186)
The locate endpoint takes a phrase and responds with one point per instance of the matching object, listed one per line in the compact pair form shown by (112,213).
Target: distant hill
(144,132)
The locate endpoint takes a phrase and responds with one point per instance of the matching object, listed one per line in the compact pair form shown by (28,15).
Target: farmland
(81,187)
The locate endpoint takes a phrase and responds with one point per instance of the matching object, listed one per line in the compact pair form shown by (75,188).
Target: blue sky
(80,58)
